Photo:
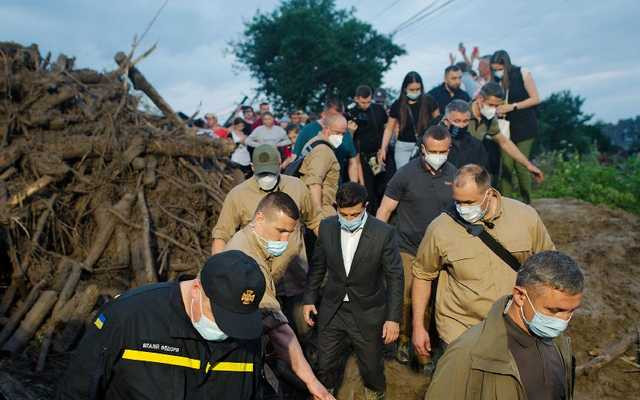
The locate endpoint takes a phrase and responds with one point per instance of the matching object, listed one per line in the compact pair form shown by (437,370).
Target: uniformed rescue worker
(196,339)
(266,239)
(238,210)
(471,277)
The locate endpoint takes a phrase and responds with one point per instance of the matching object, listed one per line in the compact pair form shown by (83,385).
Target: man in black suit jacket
(362,300)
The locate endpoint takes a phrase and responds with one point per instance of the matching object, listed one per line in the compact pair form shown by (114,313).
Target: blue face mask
(498,74)
(274,247)
(351,225)
(207,328)
(544,326)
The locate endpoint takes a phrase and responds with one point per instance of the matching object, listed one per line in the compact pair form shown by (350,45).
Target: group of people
(379,229)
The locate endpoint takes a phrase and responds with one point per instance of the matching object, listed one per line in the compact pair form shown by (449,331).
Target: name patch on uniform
(99,322)
(162,347)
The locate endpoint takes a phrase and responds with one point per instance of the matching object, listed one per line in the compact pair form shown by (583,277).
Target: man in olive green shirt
(265,239)
(484,126)
(320,169)
(240,204)
(519,351)
(471,276)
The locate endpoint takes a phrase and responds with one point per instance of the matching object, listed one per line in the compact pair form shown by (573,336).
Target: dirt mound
(606,243)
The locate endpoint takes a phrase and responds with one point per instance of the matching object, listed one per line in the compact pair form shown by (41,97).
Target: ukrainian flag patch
(99,322)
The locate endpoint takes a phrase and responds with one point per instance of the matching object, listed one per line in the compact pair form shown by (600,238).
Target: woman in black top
(410,115)
(520,110)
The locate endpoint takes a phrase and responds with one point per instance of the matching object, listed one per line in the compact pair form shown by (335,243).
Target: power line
(387,8)
(425,16)
(413,17)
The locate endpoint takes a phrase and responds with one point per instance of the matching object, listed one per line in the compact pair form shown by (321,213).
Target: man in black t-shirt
(449,90)
(370,119)
(417,193)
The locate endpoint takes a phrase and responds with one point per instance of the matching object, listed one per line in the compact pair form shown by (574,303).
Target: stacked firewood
(96,195)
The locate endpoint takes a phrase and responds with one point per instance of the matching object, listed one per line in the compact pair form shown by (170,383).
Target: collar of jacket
(491,352)
(181,327)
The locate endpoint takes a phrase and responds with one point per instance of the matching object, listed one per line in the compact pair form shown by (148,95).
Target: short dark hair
(238,120)
(363,91)
(552,269)
(351,194)
(264,103)
(463,66)
(278,201)
(451,68)
(292,127)
(333,102)
(267,113)
(457,105)
(436,132)
(474,172)
(492,89)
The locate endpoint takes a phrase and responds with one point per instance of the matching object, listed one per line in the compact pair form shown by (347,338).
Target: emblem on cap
(248,296)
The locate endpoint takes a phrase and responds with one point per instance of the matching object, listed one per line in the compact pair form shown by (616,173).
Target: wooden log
(16,317)
(77,318)
(106,227)
(62,314)
(149,268)
(141,83)
(102,146)
(35,317)
(11,154)
(149,178)
(612,352)
(30,190)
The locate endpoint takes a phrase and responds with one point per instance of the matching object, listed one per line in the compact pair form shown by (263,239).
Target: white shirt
(241,154)
(349,242)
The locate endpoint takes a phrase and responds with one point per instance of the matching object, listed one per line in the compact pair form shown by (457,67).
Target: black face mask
(457,131)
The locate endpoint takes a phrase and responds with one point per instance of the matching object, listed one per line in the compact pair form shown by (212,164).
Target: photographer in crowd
(369,119)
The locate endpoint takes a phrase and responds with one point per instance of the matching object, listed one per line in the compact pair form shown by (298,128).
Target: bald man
(473,277)
(320,169)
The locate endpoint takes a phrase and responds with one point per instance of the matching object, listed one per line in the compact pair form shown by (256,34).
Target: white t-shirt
(241,154)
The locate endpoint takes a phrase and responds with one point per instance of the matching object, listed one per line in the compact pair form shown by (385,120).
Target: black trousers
(335,343)
(375,184)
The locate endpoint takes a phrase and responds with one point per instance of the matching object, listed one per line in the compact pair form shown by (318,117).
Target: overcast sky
(587,46)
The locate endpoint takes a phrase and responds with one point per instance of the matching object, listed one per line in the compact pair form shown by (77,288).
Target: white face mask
(488,112)
(206,327)
(413,95)
(267,182)
(435,160)
(472,213)
(335,140)
(498,74)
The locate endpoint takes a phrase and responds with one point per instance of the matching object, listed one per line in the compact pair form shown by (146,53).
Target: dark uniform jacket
(375,280)
(143,346)
(479,365)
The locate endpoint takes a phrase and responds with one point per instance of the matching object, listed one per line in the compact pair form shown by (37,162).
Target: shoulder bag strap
(488,240)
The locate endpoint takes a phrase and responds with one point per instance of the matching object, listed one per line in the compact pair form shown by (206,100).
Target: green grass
(615,183)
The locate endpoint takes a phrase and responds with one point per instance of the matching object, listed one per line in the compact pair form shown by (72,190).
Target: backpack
(293,169)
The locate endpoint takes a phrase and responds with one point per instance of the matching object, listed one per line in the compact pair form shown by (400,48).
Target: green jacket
(479,366)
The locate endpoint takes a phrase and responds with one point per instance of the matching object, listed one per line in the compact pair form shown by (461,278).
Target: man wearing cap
(239,208)
(266,239)
(196,339)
